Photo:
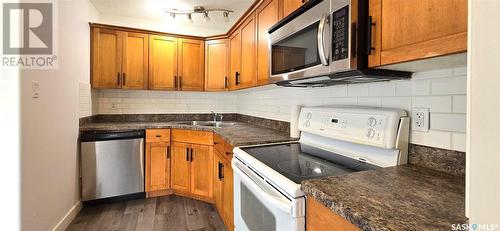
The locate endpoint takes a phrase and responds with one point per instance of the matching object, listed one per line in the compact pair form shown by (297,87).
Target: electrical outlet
(420,119)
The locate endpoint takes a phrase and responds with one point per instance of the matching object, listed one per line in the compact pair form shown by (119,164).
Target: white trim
(68,218)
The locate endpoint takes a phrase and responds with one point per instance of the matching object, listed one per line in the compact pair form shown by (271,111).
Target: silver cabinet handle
(321,32)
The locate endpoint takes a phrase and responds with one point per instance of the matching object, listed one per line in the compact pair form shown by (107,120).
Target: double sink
(217,124)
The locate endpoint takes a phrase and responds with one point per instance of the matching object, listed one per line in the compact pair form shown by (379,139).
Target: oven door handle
(267,198)
(323,24)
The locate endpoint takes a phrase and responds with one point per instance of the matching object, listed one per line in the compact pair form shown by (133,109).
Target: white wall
(49,129)
(483,154)
(443,91)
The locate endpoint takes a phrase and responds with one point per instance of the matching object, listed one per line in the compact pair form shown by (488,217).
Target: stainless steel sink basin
(218,124)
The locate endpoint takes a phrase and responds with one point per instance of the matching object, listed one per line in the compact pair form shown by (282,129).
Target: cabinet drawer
(219,143)
(158,135)
(193,137)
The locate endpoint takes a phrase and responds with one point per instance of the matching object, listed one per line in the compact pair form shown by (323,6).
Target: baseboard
(68,217)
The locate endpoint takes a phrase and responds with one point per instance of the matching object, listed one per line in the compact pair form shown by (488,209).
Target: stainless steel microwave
(325,42)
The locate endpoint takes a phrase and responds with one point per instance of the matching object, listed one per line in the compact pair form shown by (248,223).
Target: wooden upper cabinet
(106,58)
(191,65)
(181,167)
(135,61)
(291,5)
(157,166)
(267,14)
(417,29)
(162,62)
(216,65)
(201,170)
(248,75)
(234,57)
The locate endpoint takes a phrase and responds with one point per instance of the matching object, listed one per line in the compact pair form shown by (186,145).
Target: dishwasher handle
(103,136)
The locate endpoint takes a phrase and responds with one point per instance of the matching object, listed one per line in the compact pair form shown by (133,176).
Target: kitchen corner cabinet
(290,6)
(162,62)
(234,58)
(119,59)
(223,181)
(416,29)
(217,65)
(158,155)
(319,217)
(266,15)
(248,76)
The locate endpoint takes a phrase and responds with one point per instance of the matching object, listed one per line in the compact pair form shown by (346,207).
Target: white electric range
(333,141)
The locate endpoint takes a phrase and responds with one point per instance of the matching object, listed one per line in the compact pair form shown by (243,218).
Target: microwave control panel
(340,32)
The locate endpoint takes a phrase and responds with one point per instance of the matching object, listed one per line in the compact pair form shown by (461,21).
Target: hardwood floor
(159,213)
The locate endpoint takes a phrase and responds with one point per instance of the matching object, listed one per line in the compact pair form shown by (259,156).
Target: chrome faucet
(216,117)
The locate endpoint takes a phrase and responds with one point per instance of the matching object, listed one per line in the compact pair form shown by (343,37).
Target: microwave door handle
(323,24)
(266,198)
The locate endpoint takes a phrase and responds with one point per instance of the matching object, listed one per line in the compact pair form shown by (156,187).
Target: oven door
(259,206)
(301,47)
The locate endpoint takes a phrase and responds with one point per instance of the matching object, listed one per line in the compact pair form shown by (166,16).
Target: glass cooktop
(300,162)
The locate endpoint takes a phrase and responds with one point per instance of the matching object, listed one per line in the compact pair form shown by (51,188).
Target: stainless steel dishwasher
(112,165)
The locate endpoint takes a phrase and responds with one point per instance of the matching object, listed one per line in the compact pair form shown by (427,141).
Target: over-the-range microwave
(325,42)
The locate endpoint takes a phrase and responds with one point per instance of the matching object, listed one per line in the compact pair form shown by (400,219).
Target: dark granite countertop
(406,197)
(239,134)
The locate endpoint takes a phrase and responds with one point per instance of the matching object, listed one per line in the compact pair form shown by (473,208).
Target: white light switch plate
(420,119)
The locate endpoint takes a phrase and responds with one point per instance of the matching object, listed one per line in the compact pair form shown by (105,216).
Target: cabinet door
(135,61)
(162,62)
(191,65)
(266,15)
(234,58)
(291,5)
(227,195)
(106,58)
(216,65)
(157,166)
(201,170)
(181,167)
(248,75)
(417,29)
(217,178)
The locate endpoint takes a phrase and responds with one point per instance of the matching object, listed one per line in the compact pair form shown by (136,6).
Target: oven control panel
(360,125)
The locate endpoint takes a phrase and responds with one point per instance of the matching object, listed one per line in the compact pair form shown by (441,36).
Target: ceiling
(153,10)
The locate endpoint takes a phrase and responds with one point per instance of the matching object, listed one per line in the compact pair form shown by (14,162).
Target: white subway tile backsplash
(442,91)
(458,141)
(449,86)
(460,104)
(448,122)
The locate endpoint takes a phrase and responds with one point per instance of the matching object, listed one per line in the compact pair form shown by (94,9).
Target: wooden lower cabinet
(227,193)
(201,157)
(223,182)
(319,218)
(181,167)
(157,160)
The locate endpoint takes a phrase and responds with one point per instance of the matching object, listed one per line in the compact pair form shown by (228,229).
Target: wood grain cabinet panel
(228,201)
(158,135)
(319,218)
(135,61)
(267,14)
(417,29)
(162,62)
(191,64)
(290,6)
(248,76)
(201,170)
(157,166)
(234,58)
(181,168)
(217,181)
(216,65)
(192,136)
(106,58)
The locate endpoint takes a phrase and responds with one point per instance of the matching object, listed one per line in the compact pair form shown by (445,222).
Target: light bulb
(206,17)
(190,19)
(226,16)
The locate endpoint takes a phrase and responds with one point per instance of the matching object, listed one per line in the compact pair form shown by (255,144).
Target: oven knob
(308,123)
(370,133)
(308,115)
(372,122)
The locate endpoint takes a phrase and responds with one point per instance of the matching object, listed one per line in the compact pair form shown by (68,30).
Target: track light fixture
(198,10)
